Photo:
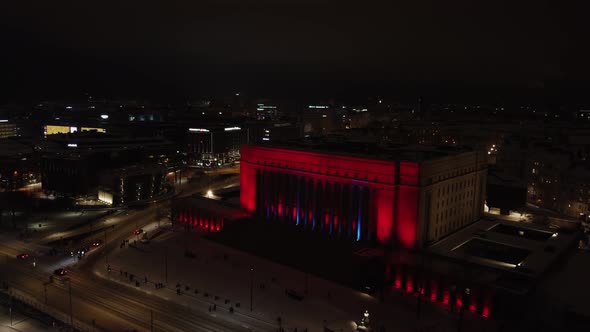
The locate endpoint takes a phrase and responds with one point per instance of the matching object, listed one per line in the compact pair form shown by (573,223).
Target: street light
(71,307)
(166,263)
(251,286)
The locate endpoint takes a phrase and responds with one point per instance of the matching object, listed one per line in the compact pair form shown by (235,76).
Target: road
(113,307)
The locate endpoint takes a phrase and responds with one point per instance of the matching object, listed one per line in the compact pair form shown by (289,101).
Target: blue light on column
(358,230)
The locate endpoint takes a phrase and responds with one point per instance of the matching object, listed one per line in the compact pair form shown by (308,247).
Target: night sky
(182,49)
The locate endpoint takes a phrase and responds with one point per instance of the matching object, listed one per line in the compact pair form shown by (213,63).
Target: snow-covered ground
(229,275)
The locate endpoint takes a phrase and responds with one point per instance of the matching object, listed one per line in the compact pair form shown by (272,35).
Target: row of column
(441,289)
(199,218)
(336,208)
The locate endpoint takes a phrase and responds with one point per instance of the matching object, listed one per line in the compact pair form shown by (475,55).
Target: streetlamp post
(465,302)
(10,309)
(166,263)
(71,308)
(106,251)
(251,287)
(151,320)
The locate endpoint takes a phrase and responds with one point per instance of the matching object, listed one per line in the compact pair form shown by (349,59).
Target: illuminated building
(214,146)
(403,196)
(8,129)
(59,129)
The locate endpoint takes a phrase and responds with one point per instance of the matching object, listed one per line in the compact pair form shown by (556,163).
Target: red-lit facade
(204,214)
(357,198)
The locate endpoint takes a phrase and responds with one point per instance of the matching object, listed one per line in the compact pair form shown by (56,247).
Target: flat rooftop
(368,148)
(519,248)
(211,206)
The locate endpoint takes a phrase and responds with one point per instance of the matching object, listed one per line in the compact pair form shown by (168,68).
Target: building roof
(369,148)
(211,206)
(518,248)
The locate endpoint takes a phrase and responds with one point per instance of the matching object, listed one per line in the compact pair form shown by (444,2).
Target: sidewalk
(230,275)
(20,323)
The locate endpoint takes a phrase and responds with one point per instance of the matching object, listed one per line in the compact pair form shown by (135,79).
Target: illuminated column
(384,205)
(310,203)
(351,212)
(345,214)
(259,194)
(272,195)
(266,191)
(355,212)
(299,198)
(247,187)
(327,207)
(407,215)
(361,213)
(338,208)
(406,207)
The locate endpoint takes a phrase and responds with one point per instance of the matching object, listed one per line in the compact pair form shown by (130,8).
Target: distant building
(8,129)
(322,119)
(214,145)
(18,167)
(404,196)
(71,163)
(264,132)
(131,184)
(267,111)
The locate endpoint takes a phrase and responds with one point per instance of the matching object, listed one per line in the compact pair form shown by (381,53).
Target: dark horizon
(294,49)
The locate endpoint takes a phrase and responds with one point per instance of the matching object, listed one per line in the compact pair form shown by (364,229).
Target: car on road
(138,231)
(22,256)
(60,272)
(82,251)
(97,243)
